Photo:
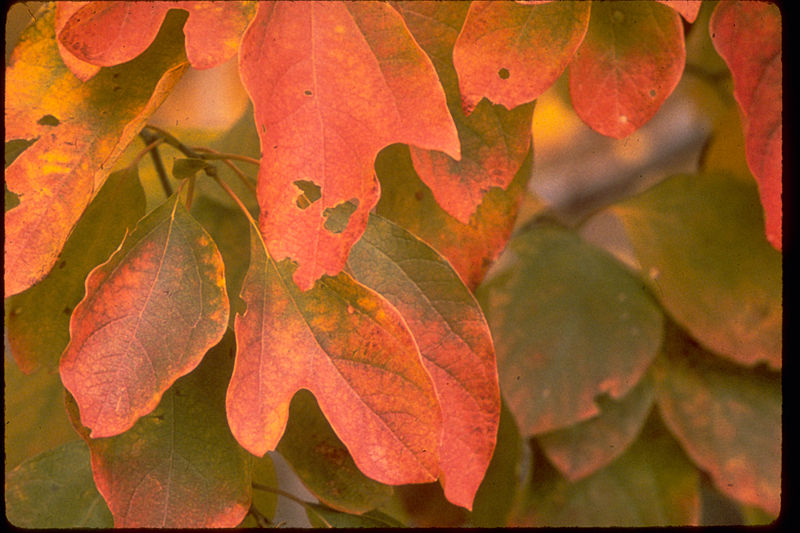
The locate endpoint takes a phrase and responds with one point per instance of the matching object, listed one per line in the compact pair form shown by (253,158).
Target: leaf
(453,339)
(470,248)
(335,83)
(494,141)
(511,53)
(323,517)
(748,37)
(352,350)
(56,490)
(569,323)
(630,61)
(61,172)
(582,449)
(178,467)
(38,319)
(82,70)
(149,315)
(700,243)
(323,463)
(687,8)
(110,33)
(727,418)
(184,168)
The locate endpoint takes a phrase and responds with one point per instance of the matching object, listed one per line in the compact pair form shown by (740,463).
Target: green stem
(306,505)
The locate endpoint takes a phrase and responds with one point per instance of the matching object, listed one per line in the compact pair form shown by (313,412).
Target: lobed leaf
(569,323)
(333,83)
(453,339)
(82,129)
(700,243)
(511,53)
(149,315)
(178,467)
(629,62)
(727,418)
(748,37)
(109,33)
(83,71)
(352,350)
(38,319)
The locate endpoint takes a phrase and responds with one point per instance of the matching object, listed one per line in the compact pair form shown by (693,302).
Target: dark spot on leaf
(503,73)
(310,192)
(263,128)
(339,216)
(652,93)
(67,310)
(419,195)
(307,93)
(48,120)
(62,263)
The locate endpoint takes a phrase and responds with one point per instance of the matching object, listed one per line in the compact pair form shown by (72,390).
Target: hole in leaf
(16,147)
(48,120)
(310,192)
(503,73)
(339,216)
(11,199)
(652,93)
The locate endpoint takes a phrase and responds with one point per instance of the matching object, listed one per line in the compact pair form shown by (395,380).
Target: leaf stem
(157,163)
(144,151)
(238,201)
(227,160)
(173,141)
(306,505)
(260,518)
(213,154)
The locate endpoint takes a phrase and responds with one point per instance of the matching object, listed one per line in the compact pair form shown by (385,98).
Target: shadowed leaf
(149,315)
(322,517)
(337,82)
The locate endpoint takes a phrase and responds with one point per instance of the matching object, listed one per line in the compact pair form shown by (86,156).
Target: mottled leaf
(511,53)
(629,62)
(323,463)
(569,323)
(322,517)
(727,418)
(56,490)
(38,319)
(352,350)
(82,70)
(453,339)
(110,33)
(61,172)
(748,37)
(588,446)
(494,141)
(687,8)
(699,240)
(470,248)
(179,466)
(336,83)
(149,315)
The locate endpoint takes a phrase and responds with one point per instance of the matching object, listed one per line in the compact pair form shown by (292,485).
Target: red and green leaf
(82,70)
(179,466)
(333,83)
(629,62)
(81,131)
(453,339)
(748,37)
(149,315)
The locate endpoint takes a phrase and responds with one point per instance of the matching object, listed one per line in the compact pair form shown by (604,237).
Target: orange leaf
(110,33)
(81,131)
(511,53)
(748,37)
(352,350)
(630,61)
(149,315)
(332,83)
(687,8)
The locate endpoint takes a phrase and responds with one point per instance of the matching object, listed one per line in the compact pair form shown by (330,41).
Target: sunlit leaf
(61,172)
(748,37)
(453,339)
(630,61)
(179,466)
(687,8)
(38,319)
(82,70)
(337,82)
(149,315)
(56,490)
(569,323)
(726,417)
(700,242)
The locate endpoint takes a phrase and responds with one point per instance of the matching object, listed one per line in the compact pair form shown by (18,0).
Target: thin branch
(213,154)
(260,518)
(157,163)
(236,170)
(306,505)
(144,151)
(173,141)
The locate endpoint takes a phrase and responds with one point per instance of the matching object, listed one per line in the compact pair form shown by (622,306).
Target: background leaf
(323,517)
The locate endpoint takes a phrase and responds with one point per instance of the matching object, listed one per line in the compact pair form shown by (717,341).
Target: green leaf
(700,242)
(184,168)
(323,517)
(727,418)
(323,463)
(569,323)
(55,490)
(265,502)
(179,466)
(38,319)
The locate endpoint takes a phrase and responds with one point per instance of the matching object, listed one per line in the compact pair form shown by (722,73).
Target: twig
(157,163)
(213,154)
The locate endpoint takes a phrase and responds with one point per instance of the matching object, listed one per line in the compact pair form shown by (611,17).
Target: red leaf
(110,33)
(687,8)
(748,37)
(149,315)
(352,350)
(494,141)
(333,83)
(84,71)
(511,53)
(630,61)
